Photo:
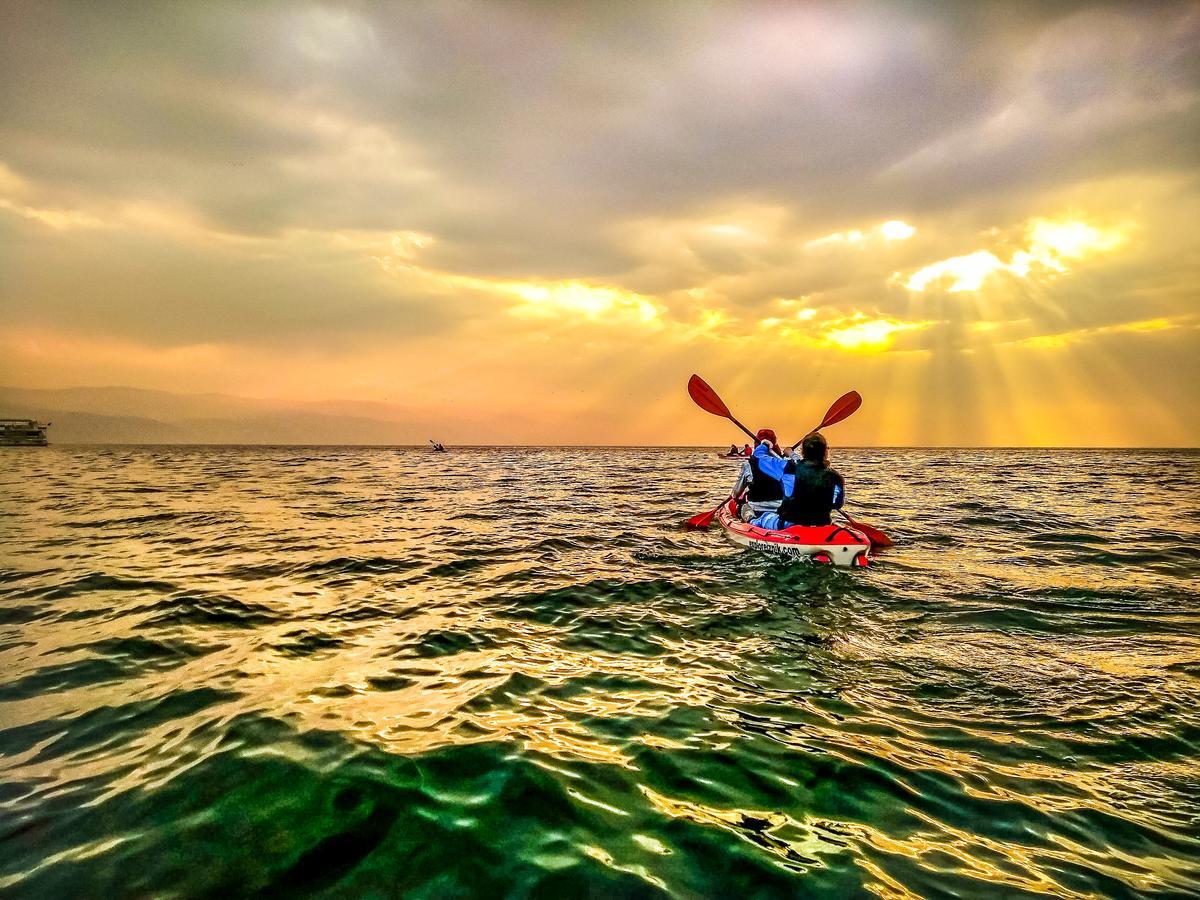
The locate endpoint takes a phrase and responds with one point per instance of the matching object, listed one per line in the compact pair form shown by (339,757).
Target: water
(369,672)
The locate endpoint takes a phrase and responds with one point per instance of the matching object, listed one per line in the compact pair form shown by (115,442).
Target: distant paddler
(438,448)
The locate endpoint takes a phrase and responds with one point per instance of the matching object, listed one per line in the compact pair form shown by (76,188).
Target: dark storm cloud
(558,119)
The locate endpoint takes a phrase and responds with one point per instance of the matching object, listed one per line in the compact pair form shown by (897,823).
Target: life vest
(763,488)
(814,492)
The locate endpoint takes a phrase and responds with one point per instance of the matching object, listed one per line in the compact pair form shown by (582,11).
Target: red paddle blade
(701,521)
(874,535)
(706,398)
(843,407)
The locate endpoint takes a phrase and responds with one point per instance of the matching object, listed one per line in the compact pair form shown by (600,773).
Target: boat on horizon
(23,433)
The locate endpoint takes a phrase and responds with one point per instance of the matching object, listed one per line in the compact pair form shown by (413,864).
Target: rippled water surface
(509,672)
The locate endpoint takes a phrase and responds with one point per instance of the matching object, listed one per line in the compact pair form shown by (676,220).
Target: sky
(536,220)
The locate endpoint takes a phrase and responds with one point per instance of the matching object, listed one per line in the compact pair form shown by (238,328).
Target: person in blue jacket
(811,487)
(758,494)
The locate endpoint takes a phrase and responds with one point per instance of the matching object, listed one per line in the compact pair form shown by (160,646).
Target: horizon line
(713,447)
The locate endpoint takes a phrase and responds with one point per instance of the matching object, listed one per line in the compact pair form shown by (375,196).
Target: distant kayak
(835,545)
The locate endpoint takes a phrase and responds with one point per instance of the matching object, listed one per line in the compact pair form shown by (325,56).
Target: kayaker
(763,494)
(811,488)
(732,451)
(746,451)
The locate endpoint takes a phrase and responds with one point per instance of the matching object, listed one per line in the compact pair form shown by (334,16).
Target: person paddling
(763,494)
(810,487)
(732,451)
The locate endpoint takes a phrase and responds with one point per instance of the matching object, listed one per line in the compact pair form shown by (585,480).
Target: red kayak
(836,545)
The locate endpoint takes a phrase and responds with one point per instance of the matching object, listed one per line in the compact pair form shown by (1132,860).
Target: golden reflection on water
(947,850)
(335,691)
(966,676)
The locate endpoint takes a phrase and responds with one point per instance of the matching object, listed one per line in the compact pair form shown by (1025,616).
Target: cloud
(896,230)
(1140,327)
(868,334)
(504,184)
(58,219)
(960,273)
(1051,246)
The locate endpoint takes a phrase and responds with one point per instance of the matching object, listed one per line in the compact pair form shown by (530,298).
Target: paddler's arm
(768,463)
(839,490)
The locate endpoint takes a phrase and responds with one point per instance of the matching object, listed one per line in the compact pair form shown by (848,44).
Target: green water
(364,672)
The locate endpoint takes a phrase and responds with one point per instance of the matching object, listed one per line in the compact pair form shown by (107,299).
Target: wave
(264,670)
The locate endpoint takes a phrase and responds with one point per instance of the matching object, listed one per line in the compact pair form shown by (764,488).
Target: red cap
(765,434)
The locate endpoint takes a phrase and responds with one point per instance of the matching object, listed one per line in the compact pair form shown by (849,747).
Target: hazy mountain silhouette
(123,415)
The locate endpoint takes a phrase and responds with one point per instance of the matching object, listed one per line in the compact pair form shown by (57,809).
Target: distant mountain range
(122,415)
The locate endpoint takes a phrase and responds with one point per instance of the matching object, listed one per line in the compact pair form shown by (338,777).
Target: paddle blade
(874,535)
(706,398)
(703,520)
(843,407)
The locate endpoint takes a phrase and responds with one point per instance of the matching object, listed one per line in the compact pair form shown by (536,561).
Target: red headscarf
(767,434)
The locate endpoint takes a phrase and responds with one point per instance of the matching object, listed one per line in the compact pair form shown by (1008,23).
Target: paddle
(700,521)
(843,407)
(706,398)
(874,535)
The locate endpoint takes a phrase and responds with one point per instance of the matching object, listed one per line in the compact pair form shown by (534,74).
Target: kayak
(835,545)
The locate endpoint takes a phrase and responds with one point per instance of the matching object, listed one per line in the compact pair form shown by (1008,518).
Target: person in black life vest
(761,493)
(732,451)
(811,487)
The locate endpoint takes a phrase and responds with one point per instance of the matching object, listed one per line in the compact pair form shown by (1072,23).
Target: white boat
(23,433)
